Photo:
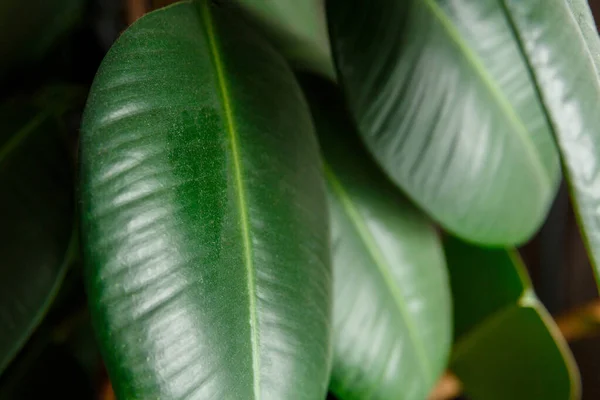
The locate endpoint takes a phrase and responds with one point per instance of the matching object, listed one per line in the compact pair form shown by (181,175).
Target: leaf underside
(444,100)
(562,44)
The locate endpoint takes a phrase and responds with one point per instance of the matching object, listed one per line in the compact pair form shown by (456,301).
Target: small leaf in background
(507,345)
(444,100)
(204,215)
(30,28)
(392,305)
(297,28)
(562,45)
(36,210)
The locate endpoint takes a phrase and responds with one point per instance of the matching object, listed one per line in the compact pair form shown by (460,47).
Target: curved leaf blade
(392,306)
(507,346)
(561,42)
(36,209)
(453,119)
(205,249)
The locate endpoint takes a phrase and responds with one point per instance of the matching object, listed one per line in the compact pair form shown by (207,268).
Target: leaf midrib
(503,102)
(241,195)
(382,266)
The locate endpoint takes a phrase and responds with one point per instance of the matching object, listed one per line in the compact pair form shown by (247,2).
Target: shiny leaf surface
(204,215)
(36,210)
(445,101)
(507,345)
(392,306)
(561,42)
(29,28)
(297,28)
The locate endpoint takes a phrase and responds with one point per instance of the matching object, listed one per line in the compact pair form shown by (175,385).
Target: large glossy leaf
(204,215)
(29,28)
(561,43)
(507,346)
(36,210)
(445,101)
(297,28)
(392,305)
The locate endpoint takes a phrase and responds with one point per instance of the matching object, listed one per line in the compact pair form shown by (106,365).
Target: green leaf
(507,345)
(561,42)
(36,210)
(204,215)
(297,28)
(444,100)
(392,306)
(29,28)
(584,18)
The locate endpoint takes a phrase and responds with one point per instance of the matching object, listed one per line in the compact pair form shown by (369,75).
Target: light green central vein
(21,135)
(504,104)
(383,267)
(233,138)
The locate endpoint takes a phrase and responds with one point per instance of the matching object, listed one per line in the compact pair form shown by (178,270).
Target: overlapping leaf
(204,215)
(392,306)
(445,101)
(507,346)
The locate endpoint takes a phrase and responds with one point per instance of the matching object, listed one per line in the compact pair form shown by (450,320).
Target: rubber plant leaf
(507,345)
(28,29)
(392,307)
(444,99)
(297,28)
(204,218)
(36,210)
(566,67)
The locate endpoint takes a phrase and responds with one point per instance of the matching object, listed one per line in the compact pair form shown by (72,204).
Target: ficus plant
(297,199)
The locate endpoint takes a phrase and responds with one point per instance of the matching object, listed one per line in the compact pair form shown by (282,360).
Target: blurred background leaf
(506,344)
(29,29)
(37,239)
